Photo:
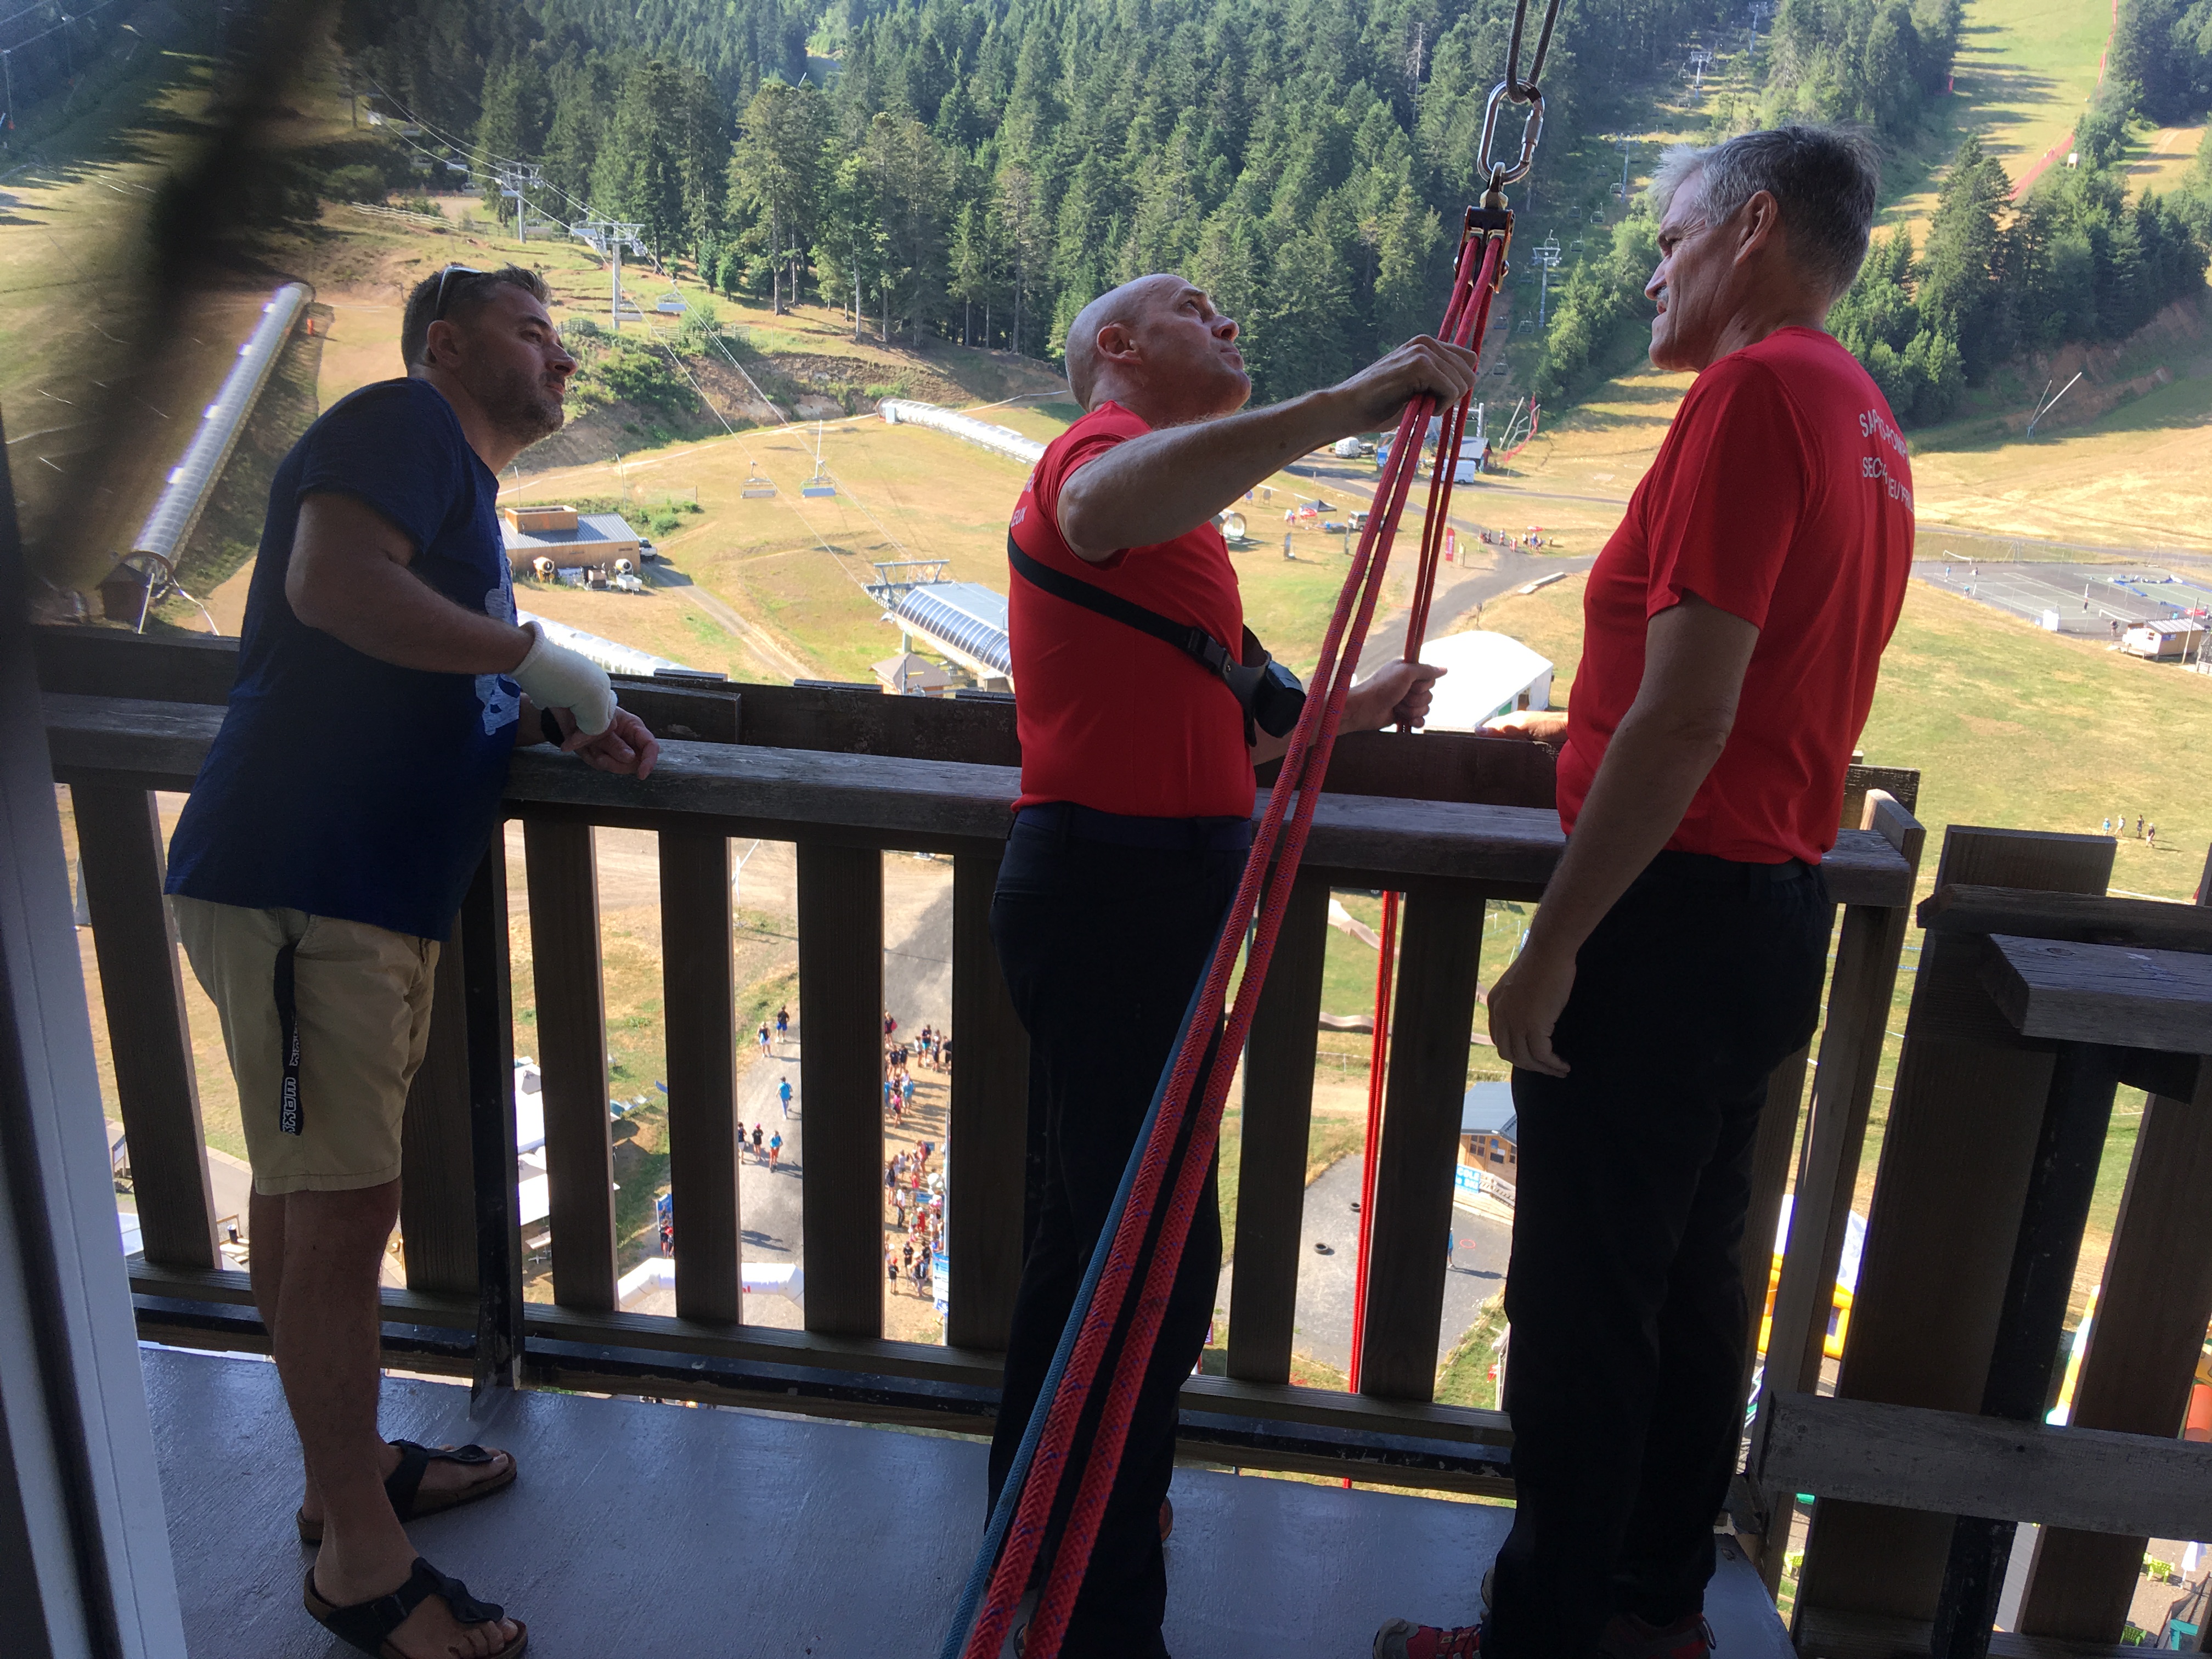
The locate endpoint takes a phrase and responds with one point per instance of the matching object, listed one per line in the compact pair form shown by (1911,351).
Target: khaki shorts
(362,997)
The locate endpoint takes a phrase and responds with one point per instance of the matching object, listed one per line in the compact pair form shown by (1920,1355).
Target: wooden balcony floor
(698,1533)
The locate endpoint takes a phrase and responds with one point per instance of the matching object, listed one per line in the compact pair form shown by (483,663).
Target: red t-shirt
(1782,495)
(1110,718)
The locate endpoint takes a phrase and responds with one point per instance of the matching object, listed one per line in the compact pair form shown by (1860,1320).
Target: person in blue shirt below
(343,808)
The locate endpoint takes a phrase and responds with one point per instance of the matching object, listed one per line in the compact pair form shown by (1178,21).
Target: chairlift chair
(421,164)
(756,488)
(671,304)
(821,483)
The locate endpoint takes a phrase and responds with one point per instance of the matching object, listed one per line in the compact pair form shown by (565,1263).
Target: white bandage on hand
(554,677)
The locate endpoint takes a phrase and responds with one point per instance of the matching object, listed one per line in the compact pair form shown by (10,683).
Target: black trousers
(1102,945)
(1625,1373)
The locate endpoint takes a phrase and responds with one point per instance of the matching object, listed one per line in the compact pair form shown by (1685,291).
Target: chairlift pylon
(821,483)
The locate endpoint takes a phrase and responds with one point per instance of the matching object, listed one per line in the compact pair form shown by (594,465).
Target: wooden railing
(1454,823)
(1961,1220)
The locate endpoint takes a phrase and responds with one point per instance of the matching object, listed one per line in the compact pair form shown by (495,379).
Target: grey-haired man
(1733,630)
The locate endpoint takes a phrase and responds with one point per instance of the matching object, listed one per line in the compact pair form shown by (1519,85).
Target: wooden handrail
(891,801)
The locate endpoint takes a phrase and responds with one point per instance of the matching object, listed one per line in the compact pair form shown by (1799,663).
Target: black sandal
(368,1626)
(404,1485)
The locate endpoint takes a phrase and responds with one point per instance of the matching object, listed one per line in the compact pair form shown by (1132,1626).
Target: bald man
(1136,817)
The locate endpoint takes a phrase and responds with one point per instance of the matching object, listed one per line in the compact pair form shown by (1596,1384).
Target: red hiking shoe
(1400,1639)
(1627,1637)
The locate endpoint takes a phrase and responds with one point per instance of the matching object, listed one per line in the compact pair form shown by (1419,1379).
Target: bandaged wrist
(554,677)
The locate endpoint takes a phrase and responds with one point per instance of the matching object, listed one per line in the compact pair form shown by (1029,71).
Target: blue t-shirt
(340,785)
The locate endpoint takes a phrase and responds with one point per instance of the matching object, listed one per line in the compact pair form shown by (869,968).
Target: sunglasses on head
(444,277)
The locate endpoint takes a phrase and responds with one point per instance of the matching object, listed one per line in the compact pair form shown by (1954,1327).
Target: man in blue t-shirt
(345,806)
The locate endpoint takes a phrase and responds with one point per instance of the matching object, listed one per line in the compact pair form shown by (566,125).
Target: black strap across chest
(1189,638)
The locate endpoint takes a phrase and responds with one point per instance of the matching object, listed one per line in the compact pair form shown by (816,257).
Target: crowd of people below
(914,1195)
(930,1047)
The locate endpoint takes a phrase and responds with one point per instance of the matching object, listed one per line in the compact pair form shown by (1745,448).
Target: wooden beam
(988,1123)
(700,998)
(107,662)
(1947,1463)
(841,997)
(2025,1356)
(2084,918)
(2072,992)
(889,800)
(1862,989)
(437,1159)
(2152,1308)
(1831,1635)
(1460,1426)
(928,728)
(572,1058)
(485,980)
(142,987)
(1438,766)
(1438,961)
(1922,1338)
(1899,783)
(1770,1150)
(1278,1118)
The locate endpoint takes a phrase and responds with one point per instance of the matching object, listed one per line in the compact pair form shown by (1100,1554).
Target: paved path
(755,638)
(1326,1277)
(1499,570)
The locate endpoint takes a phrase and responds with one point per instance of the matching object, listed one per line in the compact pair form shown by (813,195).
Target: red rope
(1377,1060)
(1442,477)
(1280,825)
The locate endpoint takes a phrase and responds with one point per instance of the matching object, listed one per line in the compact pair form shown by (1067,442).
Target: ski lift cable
(50,5)
(730,357)
(591,212)
(586,208)
(754,461)
(74,17)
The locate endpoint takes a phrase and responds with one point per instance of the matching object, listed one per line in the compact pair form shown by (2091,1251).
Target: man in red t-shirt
(1733,629)
(1135,818)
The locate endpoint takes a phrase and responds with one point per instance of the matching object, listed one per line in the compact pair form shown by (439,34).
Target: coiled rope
(1142,1243)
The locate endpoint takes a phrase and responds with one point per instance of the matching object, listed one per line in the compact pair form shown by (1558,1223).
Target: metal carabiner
(1532,130)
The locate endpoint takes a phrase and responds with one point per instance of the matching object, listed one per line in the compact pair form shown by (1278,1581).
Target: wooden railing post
(1271,1186)
(119,837)
(1938,1248)
(2153,1305)
(699,996)
(841,998)
(1439,960)
(490,1037)
(1861,987)
(990,1095)
(572,1058)
(1770,1180)
(437,1158)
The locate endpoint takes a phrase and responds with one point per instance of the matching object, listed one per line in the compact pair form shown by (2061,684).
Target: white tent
(1489,675)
